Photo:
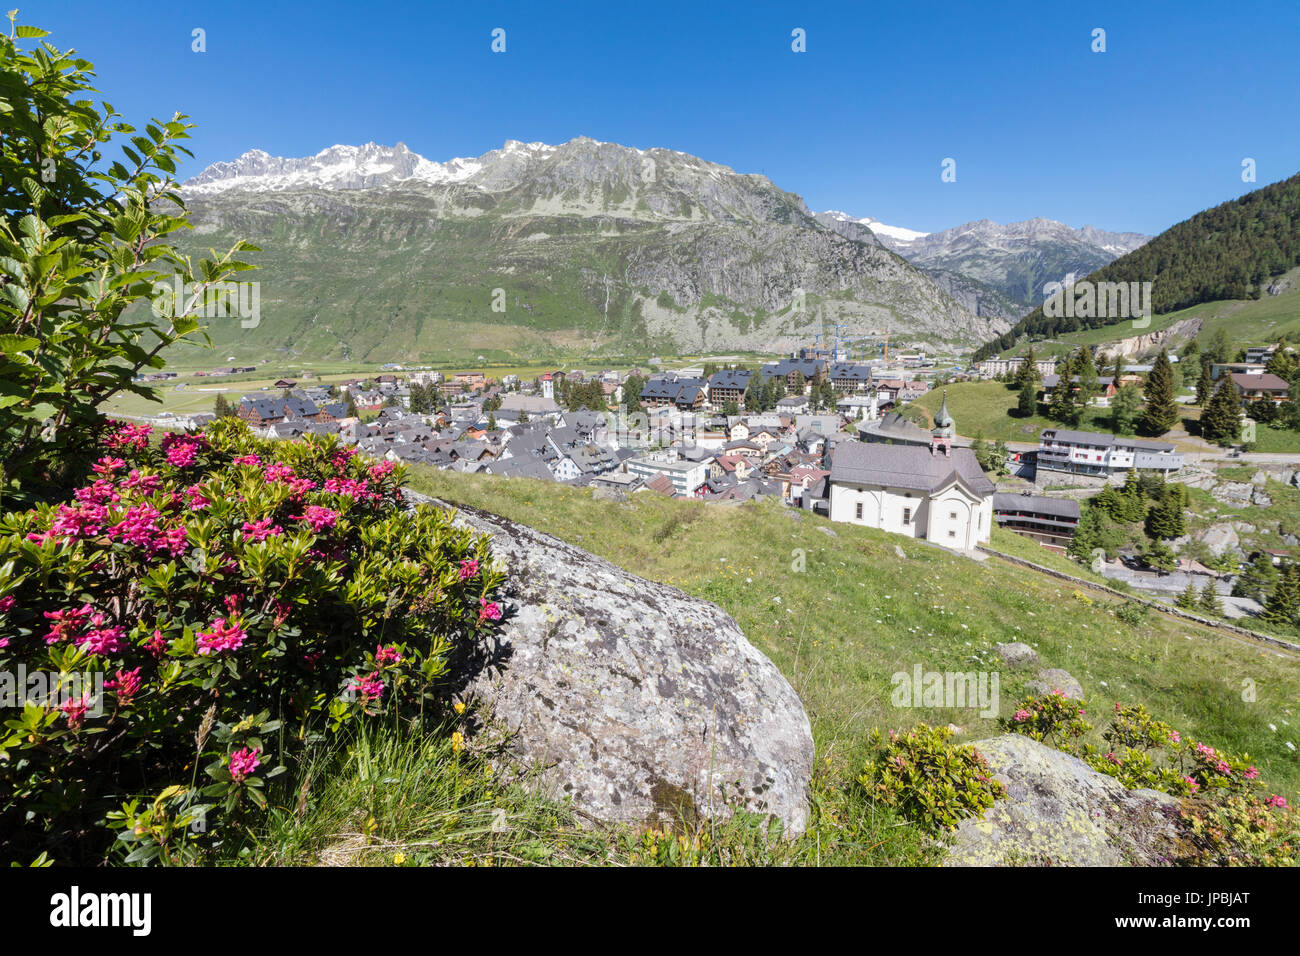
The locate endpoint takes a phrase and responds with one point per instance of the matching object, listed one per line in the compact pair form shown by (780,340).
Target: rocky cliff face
(1149,342)
(588,240)
(640,703)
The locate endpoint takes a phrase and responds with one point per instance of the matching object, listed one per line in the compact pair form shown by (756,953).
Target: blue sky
(1136,138)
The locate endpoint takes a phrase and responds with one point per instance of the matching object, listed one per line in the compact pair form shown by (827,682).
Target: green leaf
(11,344)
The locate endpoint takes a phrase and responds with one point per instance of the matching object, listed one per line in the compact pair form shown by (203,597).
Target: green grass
(858,614)
(1277,441)
(390,798)
(989,407)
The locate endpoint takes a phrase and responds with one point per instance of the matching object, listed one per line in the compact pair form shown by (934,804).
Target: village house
(1105,388)
(813,371)
(1099,454)
(260,412)
(728,386)
(850,378)
(1049,521)
(1253,386)
(992,368)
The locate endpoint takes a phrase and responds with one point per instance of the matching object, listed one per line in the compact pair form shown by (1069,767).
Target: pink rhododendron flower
(387,655)
(468,569)
(281,609)
(1112,758)
(182,454)
(67,624)
(74,711)
(300,486)
(382,468)
(370,687)
(128,435)
(261,530)
(1175,736)
(278,472)
(103,641)
(1223,768)
(1192,783)
(1276,801)
(488,610)
(1251,773)
(107,465)
(244,762)
(350,488)
(156,645)
(318,518)
(246,460)
(197,500)
(142,483)
(223,637)
(6,603)
(126,684)
(1021,716)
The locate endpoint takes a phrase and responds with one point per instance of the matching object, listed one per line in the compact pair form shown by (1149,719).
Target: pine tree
(1087,535)
(1110,501)
(222,408)
(1028,371)
(1161,412)
(1161,557)
(1204,386)
(1027,404)
(1134,503)
(1221,417)
(1190,599)
(1125,409)
(1283,607)
(1061,407)
(1088,388)
(1209,601)
(1257,579)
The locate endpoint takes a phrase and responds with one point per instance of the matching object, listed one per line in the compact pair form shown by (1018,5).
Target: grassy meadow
(857,613)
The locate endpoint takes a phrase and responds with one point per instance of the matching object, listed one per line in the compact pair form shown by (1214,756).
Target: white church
(938,493)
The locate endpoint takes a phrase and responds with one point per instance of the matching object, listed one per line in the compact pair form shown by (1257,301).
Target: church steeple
(942,433)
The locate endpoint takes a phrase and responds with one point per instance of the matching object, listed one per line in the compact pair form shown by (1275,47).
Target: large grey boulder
(639,702)
(1052,679)
(1017,654)
(1059,811)
(1233,492)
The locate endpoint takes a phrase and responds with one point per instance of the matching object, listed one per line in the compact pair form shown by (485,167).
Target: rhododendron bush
(238,599)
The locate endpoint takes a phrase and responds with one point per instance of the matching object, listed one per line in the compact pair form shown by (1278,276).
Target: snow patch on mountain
(897,233)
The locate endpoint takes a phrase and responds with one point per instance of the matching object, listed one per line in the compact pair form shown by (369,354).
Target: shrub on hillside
(239,599)
(1228,818)
(930,780)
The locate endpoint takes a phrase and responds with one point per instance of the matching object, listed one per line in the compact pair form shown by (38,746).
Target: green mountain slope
(1230,252)
(588,249)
